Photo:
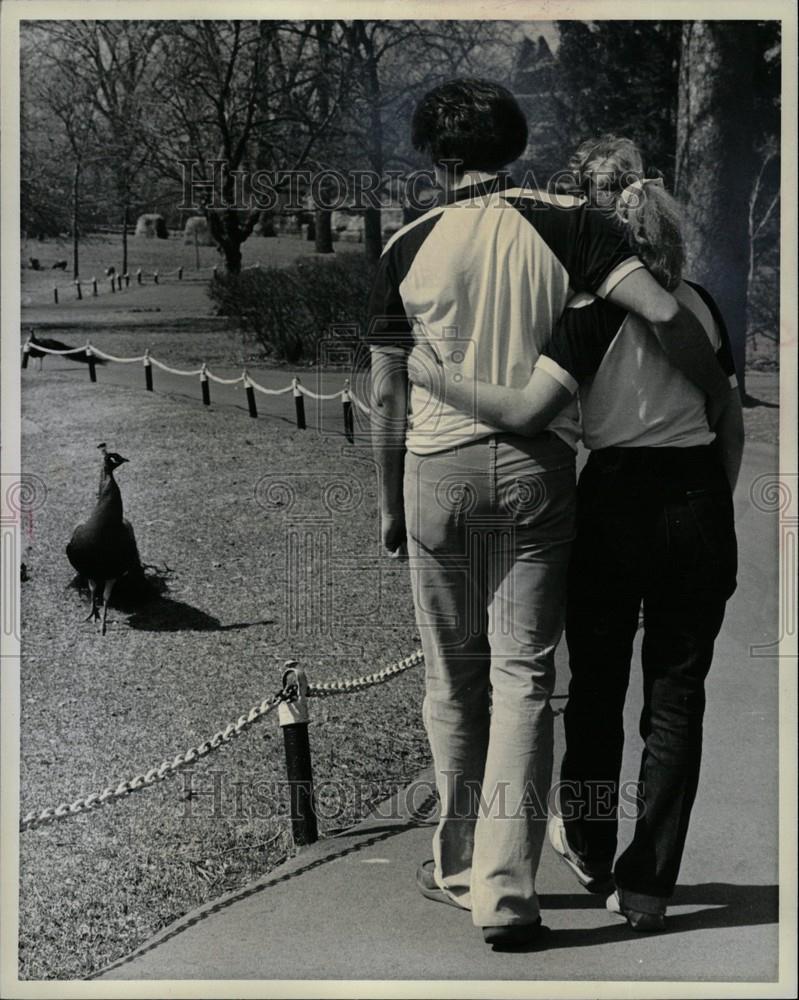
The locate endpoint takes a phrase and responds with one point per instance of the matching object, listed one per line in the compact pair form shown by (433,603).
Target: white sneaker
(639,920)
(599,882)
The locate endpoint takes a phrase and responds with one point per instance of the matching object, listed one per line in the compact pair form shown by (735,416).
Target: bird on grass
(103,549)
(55,345)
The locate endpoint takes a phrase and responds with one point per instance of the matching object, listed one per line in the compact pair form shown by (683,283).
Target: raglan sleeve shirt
(602,255)
(591,248)
(388,324)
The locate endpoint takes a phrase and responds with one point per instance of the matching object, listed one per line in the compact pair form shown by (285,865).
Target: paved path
(347,907)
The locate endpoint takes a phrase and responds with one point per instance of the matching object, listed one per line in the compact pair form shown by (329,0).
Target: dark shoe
(599,882)
(648,921)
(427,885)
(514,935)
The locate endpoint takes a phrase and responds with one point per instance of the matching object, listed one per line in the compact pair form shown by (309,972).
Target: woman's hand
(424,367)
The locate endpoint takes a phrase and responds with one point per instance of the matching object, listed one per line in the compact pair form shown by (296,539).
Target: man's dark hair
(477,123)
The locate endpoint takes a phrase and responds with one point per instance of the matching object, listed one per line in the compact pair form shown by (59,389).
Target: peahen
(103,548)
(55,345)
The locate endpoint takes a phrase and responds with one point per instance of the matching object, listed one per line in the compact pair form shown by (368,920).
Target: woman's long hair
(654,222)
(609,172)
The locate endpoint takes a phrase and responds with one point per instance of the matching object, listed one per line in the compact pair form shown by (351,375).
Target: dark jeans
(655,525)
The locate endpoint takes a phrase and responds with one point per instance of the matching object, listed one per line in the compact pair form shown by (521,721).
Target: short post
(155,277)
(127,280)
(148,371)
(78,289)
(55,296)
(250,396)
(346,405)
(180,274)
(204,386)
(213,269)
(26,350)
(113,283)
(138,276)
(293,719)
(92,363)
(299,403)
(94,287)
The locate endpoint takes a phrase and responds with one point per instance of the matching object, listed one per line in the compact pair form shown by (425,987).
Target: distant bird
(34,264)
(104,548)
(110,271)
(60,265)
(55,345)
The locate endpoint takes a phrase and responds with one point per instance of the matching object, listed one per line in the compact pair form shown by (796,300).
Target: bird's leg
(94,614)
(109,586)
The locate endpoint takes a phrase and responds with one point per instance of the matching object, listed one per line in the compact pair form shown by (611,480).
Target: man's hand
(392,528)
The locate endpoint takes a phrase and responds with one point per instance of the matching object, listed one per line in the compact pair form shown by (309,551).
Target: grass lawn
(96,710)
(96,253)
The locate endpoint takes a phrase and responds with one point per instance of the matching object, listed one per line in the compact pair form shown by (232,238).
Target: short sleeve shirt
(630,394)
(485,276)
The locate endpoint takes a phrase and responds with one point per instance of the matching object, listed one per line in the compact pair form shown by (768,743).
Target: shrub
(289,310)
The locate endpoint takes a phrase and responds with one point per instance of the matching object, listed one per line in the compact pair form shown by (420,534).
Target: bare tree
(52,83)
(113,62)
(237,94)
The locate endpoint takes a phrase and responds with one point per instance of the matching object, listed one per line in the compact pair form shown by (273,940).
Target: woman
(655,527)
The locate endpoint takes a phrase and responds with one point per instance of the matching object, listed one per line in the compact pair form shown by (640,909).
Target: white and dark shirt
(630,394)
(486,276)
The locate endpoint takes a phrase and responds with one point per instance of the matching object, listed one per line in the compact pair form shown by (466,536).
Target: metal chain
(352,684)
(113,793)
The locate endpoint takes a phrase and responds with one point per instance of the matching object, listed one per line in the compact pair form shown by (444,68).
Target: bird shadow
(143,597)
(167,615)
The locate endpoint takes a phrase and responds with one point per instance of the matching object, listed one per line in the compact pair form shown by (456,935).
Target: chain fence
(346,394)
(146,779)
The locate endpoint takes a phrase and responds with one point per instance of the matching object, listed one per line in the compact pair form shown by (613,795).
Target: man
(488,516)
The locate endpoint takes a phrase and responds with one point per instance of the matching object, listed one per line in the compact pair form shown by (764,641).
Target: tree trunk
(75,210)
(125,240)
(323,217)
(716,164)
(372,234)
(372,229)
(323,222)
(232,259)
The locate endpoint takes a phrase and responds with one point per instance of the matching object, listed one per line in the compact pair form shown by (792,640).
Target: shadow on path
(323,852)
(749,402)
(724,905)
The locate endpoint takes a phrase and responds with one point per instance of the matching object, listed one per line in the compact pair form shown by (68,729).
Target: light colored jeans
(490,525)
